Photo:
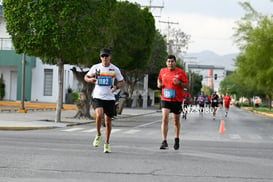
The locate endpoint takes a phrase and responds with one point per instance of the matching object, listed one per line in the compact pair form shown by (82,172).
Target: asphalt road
(242,154)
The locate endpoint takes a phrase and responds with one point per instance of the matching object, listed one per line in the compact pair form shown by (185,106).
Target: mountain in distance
(211,58)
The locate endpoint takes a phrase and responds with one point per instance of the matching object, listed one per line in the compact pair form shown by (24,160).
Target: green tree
(133,43)
(59,32)
(254,36)
(195,83)
(158,59)
(207,90)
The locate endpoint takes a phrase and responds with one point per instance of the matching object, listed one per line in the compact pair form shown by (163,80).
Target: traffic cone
(221,128)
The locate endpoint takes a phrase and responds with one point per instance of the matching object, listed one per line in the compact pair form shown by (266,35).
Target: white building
(41,80)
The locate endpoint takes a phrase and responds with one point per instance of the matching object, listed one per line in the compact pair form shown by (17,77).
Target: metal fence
(6,44)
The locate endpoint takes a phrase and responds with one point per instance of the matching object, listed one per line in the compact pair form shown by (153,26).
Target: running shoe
(107,148)
(176,144)
(164,145)
(97,140)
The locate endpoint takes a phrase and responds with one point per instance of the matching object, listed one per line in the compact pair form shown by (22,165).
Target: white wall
(3,31)
(38,82)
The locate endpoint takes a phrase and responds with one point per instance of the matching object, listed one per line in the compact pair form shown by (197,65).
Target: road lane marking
(140,126)
(234,136)
(255,137)
(72,129)
(115,130)
(90,131)
(131,131)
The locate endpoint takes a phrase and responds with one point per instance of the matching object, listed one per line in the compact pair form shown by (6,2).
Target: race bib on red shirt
(169,93)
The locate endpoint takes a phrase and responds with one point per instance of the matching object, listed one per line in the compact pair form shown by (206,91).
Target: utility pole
(146,90)
(22,109)
(150,6)
(168,32)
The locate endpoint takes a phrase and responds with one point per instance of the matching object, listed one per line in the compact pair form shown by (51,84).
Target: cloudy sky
(209,22)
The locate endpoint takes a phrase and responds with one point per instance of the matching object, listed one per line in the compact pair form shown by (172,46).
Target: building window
(48,82)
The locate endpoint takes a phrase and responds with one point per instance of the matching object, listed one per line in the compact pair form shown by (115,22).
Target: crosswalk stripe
(115,130)
(72,129)
(134,131)
(90,131)
(255,137)
(131,131)
(140,126)
(235,136)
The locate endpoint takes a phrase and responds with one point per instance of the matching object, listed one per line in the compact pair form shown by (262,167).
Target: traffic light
(201,77)
(215,76)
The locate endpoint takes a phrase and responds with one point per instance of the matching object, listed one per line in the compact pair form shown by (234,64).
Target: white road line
(132,131)
(90,131)
(255,137)
(234,136)
(115,130)
(72,129)
(140,126)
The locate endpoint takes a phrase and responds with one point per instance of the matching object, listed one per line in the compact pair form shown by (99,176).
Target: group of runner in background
(210,102)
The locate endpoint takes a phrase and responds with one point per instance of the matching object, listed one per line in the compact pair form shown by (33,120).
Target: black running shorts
(175,107)
(107,105)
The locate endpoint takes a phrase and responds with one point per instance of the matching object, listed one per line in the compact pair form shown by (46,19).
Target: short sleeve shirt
(201,99)
(187,96)
(170,91)
(105,80)
(227,99)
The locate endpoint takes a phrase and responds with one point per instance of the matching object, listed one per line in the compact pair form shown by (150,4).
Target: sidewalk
(46,119)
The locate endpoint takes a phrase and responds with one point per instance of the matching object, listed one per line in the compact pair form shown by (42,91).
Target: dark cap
(105,51)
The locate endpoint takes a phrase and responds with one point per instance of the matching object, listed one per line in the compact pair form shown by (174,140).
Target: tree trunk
(127,97)
(87,89)
(122,105)
(60,91)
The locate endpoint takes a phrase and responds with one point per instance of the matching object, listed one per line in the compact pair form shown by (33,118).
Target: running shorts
(175,107)
(107,105)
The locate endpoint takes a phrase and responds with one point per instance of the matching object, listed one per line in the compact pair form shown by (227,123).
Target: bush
(75,96)
(244,104)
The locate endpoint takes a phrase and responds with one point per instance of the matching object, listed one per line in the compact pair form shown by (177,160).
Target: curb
(21,128)
(67,124)
(258,113)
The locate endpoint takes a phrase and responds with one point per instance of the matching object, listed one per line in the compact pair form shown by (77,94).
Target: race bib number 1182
(104,80)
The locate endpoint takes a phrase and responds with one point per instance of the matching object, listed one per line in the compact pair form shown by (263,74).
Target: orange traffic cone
(221,128)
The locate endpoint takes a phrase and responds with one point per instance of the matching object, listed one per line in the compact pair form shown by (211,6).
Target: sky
(210,23)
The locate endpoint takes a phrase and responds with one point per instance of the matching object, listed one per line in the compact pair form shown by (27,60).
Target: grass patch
(262,109)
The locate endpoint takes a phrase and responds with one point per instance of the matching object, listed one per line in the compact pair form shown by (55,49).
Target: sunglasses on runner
(104,55)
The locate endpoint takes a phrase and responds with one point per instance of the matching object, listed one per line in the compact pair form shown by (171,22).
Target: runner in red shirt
(186,102)
(172,80)
(227,100)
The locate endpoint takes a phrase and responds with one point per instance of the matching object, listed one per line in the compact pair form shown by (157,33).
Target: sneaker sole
(163,148)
